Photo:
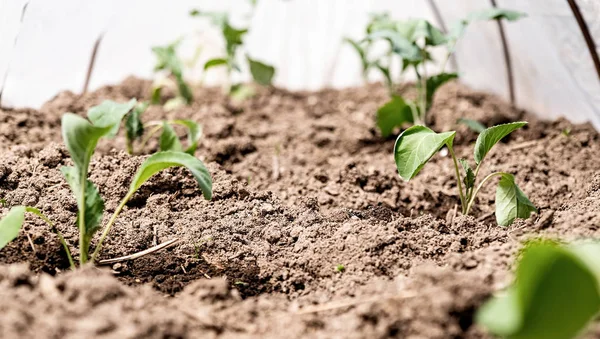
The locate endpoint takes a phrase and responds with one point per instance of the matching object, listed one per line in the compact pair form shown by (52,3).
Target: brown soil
(302,183)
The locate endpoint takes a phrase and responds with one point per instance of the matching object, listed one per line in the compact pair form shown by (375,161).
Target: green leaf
(399,44)
(380,22)
(110,113)
(166,58)
(393,114)
(184,90)
(511,202)
(474,125)
(386,75)
(194,134)
(549,280)
(358,48)
(435,82)
(501,315)
(456,31)
(214,63)
(11,224)
(156,95)
(415,29)
(261,73)
(496,14)
(233,38)
(162,160)
(490,136)
(241,92)
(80,138)
(169,141)
(174,103)
(469,178)
(415,146)
(362,53)
(134,126)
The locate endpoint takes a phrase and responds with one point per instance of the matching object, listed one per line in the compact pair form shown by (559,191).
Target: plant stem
(83,244)
(150,134)
(111,221)
(460,190)
(415,112)
(60,238)
(129,144)
(424,90)
(64,244)
(472,198)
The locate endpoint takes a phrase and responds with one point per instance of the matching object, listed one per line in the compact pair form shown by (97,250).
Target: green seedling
(554,296)
(135,129)
(234,40)
(364,50)
(81,137)
(417,144)
(340,268)
(412,42)
(167,60)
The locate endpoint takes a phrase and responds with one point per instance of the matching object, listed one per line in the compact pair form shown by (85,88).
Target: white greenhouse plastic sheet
(553,71)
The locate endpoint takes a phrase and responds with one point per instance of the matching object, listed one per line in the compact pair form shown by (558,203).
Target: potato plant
(412,42)
(417,144)
(81,137)
(135,129)
(555,295)
(261,73)
(168,61)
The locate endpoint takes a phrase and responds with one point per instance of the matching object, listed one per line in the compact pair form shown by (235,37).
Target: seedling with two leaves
(135,129)
(234,41)
(168,61)
(417,144)
(412,42)
(555,295)
(81,137)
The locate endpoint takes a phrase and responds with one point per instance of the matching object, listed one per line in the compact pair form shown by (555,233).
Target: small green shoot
(417,144)
(112,112)
(340,268)
(412,42)
(566,132)
(234,40)
(554,296)
(81,138)
(167,60)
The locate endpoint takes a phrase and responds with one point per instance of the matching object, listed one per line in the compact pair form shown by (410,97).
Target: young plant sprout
(413,41)
(364,50)
(135,128)
(549,279)
(81,137)
(234,41)
(167,60)
(417,144)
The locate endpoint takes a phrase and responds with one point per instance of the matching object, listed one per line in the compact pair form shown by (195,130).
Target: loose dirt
(302,183)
